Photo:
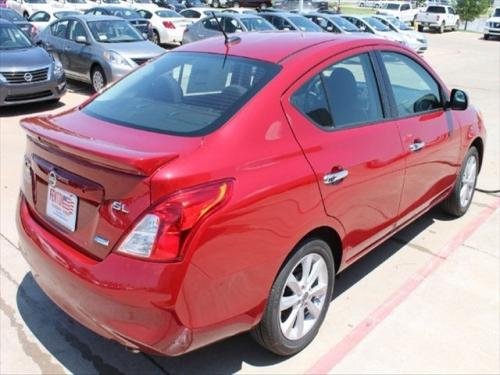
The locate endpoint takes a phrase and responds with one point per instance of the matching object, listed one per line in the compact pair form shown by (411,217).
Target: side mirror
(459,101)
(81,39)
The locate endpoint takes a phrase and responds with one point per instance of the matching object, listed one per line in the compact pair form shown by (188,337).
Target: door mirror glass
(458,100)
(81,39)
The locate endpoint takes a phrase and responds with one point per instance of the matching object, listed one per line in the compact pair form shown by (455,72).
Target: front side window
(344,94)
(413,88)
(256,24)
(183,93)
(230,25)
(76,29)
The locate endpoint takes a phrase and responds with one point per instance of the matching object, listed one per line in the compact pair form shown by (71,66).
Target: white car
(370,24)
(403,11)
(168,25)
(241,10)
(27,7)
(42,18)
(415,40)
(492,26)
(197,12)
(80,5)
(141,4)
(106,2)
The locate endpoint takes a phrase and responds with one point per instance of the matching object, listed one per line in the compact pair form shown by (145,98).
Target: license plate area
(62,207)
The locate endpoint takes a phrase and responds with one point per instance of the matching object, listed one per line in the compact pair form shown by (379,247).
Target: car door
(55,41)
(429,136)
(339,119)
(78,54)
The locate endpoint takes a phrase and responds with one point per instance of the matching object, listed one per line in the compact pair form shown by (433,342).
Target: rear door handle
(416,146)
(335,177)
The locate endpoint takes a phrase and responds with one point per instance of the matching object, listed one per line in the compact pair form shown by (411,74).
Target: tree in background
(469,10)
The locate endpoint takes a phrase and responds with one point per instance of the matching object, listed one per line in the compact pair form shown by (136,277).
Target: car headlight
(115,58)
(58,69)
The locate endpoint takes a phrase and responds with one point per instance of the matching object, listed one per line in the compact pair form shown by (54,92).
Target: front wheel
(299,300)
(461,196)
(457,25)
(98,79)
(486,36)
(156,37)
(420,28)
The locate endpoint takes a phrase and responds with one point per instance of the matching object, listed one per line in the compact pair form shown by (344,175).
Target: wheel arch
(479,145)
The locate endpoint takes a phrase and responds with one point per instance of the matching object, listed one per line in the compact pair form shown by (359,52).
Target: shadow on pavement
(81,351)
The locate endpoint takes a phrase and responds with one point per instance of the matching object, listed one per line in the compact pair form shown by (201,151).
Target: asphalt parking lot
(426,301)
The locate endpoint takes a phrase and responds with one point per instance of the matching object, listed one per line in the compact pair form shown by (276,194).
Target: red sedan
(220,188)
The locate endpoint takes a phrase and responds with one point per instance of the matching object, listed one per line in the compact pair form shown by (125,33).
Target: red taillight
(169,24)
(160,233)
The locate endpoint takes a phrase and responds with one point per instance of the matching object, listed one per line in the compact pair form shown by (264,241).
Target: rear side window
(58,29)
(414,89)
(342,95)
(183,93)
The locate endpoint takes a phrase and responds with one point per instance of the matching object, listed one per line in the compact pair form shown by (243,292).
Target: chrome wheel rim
(303,296)
(468,181)
(97,81)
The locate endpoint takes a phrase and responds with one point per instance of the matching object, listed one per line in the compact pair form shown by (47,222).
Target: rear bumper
(120,298)
(32,92)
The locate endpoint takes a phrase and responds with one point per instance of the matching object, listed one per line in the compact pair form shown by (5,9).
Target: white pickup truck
(492,27)
(403,11)
(438,17)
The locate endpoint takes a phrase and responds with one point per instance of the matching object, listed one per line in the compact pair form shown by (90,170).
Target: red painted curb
(338,352)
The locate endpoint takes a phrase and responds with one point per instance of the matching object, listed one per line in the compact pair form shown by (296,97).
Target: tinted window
(76,29)
(113,31)
(211,24)
(230,25)
(40,17)
(345,24)
(183,93)
(376,24)
(125,13)
(167,14)
(303,24)
(145,14)
(58,29)
(413,88)
(350,89)
(405,7)
(436,9)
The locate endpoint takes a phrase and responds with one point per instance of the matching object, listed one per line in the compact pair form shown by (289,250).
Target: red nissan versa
(219,188)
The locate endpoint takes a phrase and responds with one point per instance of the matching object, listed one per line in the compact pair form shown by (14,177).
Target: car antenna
(226,38)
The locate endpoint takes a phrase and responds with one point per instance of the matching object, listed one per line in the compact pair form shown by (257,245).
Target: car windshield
(143,1)
(125,13)
(376,24)
(111,1)
(435,9)
(167,14)
(391,6)
(36,1)
(13,38)
(183,93)
(114,31)
(10,15)
(497,13)
(400,25)
(76,1)
(65,13)
(303,24)
(344,24)
(256,24)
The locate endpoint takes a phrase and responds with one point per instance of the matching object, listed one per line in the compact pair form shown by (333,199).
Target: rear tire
(486,36)
(456,27)
(420,28)
(156,38)
(299,299)
(459,200)
(98,79)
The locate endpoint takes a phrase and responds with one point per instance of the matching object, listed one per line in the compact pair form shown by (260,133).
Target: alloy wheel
(97,80)
(468,181)
(303,296)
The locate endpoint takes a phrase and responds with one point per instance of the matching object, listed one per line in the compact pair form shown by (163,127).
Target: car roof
(91,17)
(274,46)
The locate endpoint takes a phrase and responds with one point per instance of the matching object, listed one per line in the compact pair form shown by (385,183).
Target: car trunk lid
(88,180)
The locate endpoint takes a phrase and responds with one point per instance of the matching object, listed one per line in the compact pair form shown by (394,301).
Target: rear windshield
(435,9)
(183,93)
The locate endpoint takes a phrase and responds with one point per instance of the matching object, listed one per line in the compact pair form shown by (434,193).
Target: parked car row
(107,42)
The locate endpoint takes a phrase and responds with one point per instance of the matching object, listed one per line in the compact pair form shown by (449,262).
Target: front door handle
(335,177)
(416,146)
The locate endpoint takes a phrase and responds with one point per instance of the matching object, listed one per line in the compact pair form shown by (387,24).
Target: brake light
(159,235)
(168,24)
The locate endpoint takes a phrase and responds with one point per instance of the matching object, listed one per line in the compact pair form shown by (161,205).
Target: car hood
(143,49)
(25,59)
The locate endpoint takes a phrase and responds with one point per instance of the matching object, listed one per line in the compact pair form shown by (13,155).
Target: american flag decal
(67,205)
